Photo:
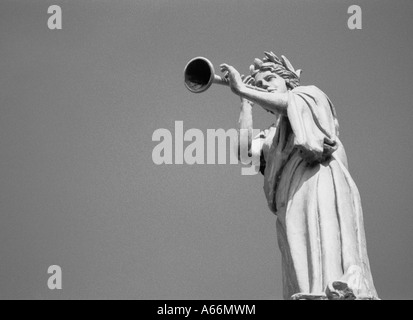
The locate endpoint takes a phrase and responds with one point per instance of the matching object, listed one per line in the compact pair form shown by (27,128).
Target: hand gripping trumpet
(199,75)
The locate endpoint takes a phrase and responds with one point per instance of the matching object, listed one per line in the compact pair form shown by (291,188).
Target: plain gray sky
(78,187)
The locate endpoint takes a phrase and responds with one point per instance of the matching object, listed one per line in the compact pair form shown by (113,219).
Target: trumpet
(199,75)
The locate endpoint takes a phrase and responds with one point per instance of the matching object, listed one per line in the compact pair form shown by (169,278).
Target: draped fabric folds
(308,186)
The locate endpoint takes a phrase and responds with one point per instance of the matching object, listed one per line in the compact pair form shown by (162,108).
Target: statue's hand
(233,77)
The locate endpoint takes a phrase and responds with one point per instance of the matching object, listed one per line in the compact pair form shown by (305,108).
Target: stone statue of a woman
(306,182)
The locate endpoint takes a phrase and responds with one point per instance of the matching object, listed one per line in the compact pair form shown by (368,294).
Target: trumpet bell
(199,75)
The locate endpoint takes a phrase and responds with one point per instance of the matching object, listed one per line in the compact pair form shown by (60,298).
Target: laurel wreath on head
(269,60)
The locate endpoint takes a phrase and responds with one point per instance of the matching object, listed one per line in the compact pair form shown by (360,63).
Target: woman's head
(271,81)
(275,74)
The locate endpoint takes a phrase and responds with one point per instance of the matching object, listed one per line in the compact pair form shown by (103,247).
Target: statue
(307,184)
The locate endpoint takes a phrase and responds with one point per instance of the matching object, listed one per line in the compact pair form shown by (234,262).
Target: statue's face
(271,81)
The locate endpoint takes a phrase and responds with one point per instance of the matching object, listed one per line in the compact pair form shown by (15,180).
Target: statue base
(308,296)
(337,290)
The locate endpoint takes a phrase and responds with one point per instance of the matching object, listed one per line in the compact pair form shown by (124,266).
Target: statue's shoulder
(320,102)
(311,89)
(314,92)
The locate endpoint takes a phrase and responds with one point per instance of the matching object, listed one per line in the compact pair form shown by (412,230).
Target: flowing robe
(308,186)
